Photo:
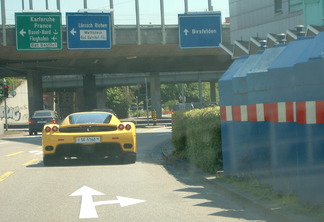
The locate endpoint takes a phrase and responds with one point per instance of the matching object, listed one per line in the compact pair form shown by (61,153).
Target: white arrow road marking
(73,32)
(123,201)
(36,152)
(22,32)
(88,207)
(186,31)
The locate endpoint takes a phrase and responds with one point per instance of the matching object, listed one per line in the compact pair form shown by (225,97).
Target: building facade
(255,20)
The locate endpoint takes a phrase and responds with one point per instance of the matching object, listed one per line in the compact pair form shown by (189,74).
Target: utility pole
(5,103)
(146,96)
(138,27)
(210,7)
(3,18)
(85,4)
(31,7)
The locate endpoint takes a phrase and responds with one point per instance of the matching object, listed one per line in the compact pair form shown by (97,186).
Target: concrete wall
(17,107)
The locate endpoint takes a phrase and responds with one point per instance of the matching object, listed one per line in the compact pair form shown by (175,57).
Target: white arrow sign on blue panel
(88,30)
(200,30)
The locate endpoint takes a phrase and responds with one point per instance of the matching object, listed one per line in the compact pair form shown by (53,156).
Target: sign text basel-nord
(38,31)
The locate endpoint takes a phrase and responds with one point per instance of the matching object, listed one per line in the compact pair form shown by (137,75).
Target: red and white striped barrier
(309,112)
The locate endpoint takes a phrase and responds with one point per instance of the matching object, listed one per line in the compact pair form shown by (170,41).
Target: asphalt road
(149,190)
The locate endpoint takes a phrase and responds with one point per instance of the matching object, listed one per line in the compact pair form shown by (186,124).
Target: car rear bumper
(111,143)
(35,128)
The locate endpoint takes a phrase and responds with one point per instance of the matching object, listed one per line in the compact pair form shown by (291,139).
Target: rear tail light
(31,121)
(49,129)
(128,126)
(122,126)
(54,121)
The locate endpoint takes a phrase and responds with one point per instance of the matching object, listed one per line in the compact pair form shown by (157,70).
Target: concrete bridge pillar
(156,93)
(79,99)
(35,92)
(89,92)
(101,98)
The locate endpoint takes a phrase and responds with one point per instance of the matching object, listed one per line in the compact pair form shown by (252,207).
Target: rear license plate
(41,121)
(92,139)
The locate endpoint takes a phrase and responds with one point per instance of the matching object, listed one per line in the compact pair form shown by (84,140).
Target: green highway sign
(38,31)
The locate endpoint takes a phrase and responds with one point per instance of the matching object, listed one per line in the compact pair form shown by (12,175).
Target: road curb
(14,133)
(274,211)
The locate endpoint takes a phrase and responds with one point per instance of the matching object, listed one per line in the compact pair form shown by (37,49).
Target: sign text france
(88,31)
(200,30)
(38,31)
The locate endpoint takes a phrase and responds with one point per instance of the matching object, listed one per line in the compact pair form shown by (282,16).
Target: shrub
(198,134)
(178,131)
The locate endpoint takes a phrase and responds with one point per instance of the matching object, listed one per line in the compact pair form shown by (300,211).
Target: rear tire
(129,158)
(50,160)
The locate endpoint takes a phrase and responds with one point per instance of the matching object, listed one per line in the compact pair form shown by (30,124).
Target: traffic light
(5,90)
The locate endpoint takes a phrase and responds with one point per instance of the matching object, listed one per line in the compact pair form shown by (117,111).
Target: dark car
(40,118)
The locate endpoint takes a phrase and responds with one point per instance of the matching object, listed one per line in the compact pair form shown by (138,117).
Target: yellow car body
(84,135)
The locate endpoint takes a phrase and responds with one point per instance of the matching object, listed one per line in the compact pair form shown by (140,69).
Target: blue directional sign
(200,30)
(88,30)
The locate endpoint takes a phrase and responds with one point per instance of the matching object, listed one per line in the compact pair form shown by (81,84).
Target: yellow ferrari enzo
(88,135)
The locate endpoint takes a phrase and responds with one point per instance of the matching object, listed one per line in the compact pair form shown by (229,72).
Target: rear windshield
(83,118)
(43,114)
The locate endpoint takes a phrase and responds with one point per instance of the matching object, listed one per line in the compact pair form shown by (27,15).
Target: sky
(124,10)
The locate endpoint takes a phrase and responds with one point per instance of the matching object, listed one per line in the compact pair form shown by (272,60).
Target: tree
(171,92)
(119,99)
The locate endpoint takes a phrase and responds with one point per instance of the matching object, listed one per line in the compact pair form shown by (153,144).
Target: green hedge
(196,135)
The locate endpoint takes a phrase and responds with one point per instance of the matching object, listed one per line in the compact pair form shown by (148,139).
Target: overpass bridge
(55,82)
(69,87)
(161,62)
(149,50)
(128,55)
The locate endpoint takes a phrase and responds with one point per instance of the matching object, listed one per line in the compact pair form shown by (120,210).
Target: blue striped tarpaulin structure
(272,106)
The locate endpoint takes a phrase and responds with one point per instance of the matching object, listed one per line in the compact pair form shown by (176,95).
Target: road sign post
(88,30)
(200,30)
(38,31)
